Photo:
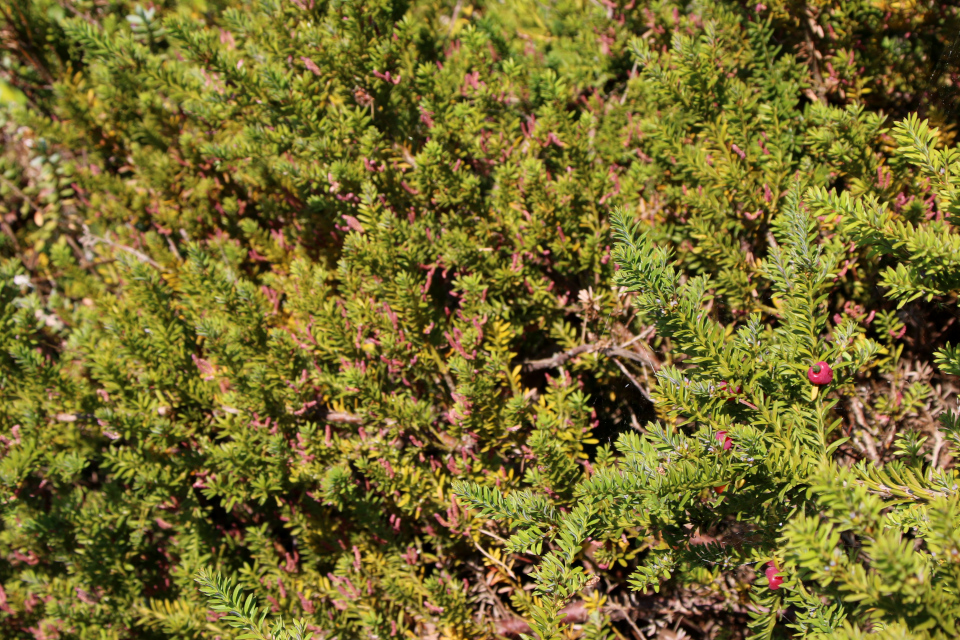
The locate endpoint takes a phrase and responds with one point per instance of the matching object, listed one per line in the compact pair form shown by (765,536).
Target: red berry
(720,488)
(772,577)
(820,373)
(725,439)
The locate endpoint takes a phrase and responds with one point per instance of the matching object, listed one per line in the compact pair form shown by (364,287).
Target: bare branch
(559,359)
(497,562)
(89,239)
(643,357)
(630,377)
(869,446)
(646,358)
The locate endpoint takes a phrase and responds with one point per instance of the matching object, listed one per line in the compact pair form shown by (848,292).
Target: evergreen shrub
(437,319)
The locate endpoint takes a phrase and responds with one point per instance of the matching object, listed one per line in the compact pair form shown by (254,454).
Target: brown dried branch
(630,377)
(89,240)
(869,446)
(613,352)
(559,359)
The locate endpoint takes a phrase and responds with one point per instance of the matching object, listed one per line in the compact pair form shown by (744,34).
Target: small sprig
(243,613)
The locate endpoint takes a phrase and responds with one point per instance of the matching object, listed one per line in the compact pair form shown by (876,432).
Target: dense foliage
(437,319)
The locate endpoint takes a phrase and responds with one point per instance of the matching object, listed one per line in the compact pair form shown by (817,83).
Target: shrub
(280,280)
(862,547)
